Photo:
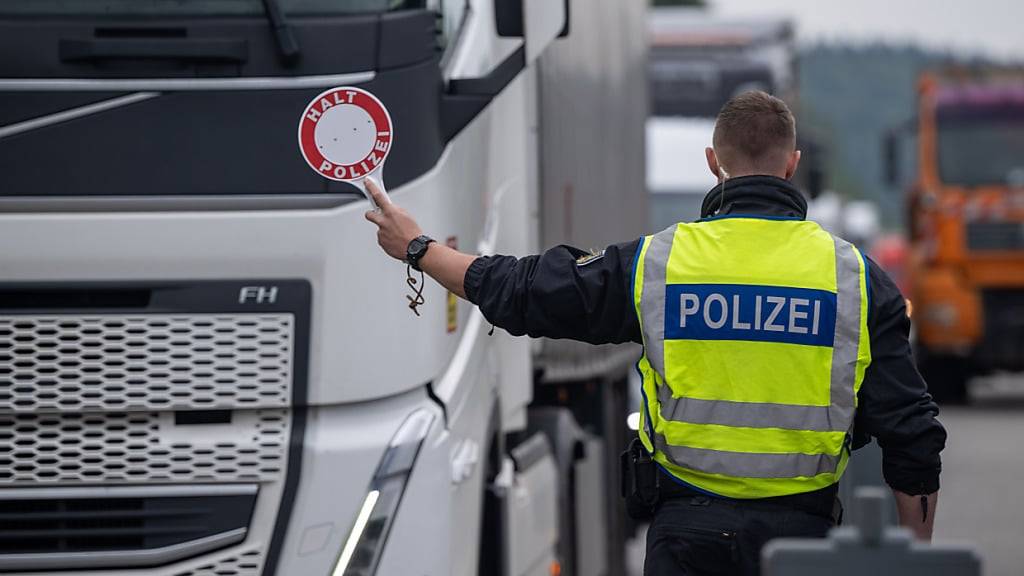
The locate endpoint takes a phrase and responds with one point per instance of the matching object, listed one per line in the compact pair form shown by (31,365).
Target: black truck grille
(995,236)
(77,525)
(84,521)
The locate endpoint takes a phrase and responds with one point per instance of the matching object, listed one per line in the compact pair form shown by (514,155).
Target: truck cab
(966,217)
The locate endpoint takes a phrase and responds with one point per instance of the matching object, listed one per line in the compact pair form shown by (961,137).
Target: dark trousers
(698,535)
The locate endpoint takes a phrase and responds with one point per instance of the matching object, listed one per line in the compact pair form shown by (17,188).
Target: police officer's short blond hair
(754,132)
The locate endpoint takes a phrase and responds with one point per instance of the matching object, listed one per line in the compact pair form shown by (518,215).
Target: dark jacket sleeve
(894,404)
(558,295)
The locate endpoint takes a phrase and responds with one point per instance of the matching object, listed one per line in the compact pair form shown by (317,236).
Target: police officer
(771,350)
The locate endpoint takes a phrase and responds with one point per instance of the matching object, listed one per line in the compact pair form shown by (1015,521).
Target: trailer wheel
(945,375)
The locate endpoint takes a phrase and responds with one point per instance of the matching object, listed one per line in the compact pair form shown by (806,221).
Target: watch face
(415,246)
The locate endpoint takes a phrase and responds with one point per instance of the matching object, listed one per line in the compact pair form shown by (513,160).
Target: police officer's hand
(396,228)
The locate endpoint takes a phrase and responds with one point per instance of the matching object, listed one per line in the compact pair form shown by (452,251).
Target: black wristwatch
(417,248)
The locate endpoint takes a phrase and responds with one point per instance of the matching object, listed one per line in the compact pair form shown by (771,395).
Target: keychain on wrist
(416,249)
(417,289)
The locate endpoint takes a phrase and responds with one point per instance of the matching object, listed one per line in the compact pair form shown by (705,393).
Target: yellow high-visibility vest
(755,345)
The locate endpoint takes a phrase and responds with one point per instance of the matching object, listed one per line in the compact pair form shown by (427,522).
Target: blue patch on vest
(749,312)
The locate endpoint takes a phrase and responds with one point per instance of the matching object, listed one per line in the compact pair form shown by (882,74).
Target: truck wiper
(287,44)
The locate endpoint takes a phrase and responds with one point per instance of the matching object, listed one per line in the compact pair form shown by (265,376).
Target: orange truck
(966,224)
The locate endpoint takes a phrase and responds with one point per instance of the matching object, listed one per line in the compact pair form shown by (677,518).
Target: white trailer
(207,366)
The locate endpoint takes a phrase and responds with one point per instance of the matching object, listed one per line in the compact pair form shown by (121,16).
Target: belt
(820,502)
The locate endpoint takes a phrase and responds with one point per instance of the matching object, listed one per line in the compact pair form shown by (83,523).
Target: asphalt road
(982,496)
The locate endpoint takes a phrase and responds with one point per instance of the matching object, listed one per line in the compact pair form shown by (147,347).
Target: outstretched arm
(563,293)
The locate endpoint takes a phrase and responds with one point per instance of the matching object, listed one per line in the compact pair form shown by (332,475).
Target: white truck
(207,367)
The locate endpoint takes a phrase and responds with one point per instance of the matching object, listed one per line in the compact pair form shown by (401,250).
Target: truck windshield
(685,82)
(982,151)
(197,7)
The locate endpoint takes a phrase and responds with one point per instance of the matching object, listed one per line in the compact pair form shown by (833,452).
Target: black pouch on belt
(639,481)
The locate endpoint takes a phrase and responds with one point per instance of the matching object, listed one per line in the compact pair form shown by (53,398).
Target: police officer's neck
(781,174)
(762,194)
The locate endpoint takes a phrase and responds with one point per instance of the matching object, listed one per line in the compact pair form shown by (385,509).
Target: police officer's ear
(709,152)
(794,161)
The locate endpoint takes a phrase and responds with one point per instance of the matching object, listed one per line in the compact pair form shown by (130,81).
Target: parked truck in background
(965,213)
(207,366)
(698,61)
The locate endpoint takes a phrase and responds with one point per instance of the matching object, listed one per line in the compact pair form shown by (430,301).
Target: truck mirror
(891,157)
(537,21)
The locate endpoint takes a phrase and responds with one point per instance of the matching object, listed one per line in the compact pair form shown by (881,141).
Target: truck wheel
(945,375)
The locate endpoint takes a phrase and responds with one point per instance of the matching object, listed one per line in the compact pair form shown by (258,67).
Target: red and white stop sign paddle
(345,134)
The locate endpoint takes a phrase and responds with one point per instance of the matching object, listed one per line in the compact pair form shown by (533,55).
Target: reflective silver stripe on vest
(652,299)
(837,417)
(847,338)
(745,414)
(748,464)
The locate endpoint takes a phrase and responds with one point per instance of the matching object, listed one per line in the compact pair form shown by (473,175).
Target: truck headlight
(365,542)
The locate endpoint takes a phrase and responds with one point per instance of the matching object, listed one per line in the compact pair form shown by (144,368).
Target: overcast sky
(990,27)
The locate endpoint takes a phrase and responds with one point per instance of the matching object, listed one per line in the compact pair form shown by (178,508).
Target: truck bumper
(961,314)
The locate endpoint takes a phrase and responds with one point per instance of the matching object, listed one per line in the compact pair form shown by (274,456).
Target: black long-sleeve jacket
(563,293)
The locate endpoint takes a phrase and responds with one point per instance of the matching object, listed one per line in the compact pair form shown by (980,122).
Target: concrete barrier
(869,546)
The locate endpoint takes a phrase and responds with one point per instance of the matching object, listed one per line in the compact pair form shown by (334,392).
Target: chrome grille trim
(172,491)
(131,558)
(184,84)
